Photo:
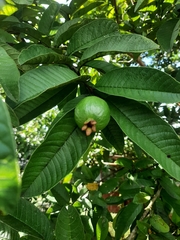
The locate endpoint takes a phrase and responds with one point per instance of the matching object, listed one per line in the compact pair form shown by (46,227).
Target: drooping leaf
(30,109)
(48,18)
(9,79)
(102,228)
(58,154)
(28,2)
(9,171)
(91,33)
(38,54)
(6,37)
(114,135)
(62,32)
(142,84)
(138,4)
(125,218)
(149,132)
(61,194)
(167,33)
(69,225)
(8,233)
(101,66)
(133,43)
(29,219)
(38,80)
(75,4)
(84,10)
(170,187)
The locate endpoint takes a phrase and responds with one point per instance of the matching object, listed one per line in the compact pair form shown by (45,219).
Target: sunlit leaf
(142,84)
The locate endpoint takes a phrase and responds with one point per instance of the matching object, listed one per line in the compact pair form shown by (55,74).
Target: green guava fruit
(92,114)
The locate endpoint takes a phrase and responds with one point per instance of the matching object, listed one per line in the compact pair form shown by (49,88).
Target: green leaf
(149,132)
(170,187)
(36,54)
(29,219)
(66,30)
(9,171)
(8,233)
(142,84)
(27,2)
(102,228)
(84,10)
(141,198)
(101,66)
(6,37)
(56,156)
(125,218)
(167,34)
(30,109)
(114,135)
(37,81)
(69,225)
(48,18)
(138,5)
(75,4)
(159,224)
(91,33)
(9,79)
(61,194)
(133,43)
(175,204)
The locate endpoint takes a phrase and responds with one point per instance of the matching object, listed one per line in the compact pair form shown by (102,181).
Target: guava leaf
(69,224)
(84,10)
(35,82)
(36,54)
(102,228)
(133,43)
(142,84)
(59,153)
(148,131)
(91,33)
(101,66)
(29,219)
(9,171)
(125,218)
(75,5)
(9,79)
(167,33)
(48,18)
(8,233)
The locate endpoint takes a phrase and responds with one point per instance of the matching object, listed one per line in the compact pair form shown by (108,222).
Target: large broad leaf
(125,218)
(9,172)
(37,81)
(9,79)
(62,33)
(84,10)
(69,225)
(91,33)
(142,84)
(8,233)
(148,131)
(36,54)
(56,156)
(167,33)
(29,219)
(33,108)
(133,43)
(48,18)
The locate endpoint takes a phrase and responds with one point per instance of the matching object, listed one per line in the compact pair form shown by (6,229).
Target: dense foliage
(118,183)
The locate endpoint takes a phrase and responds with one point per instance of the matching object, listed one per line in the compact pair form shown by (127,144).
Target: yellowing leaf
(8,10)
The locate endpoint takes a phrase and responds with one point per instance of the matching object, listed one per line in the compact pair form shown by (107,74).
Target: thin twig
(146,212)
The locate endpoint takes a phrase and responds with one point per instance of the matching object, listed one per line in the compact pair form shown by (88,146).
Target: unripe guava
(92,114)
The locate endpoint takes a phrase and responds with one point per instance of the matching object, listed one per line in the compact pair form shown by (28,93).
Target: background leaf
(8,233)
(87,8)
(59,153)
(125,218)
(9,171)
(133,43)
(167,33)
(83,37)
(48,18)
(9,79)
(29,219)
(149,132)
(142,84)
(69,225)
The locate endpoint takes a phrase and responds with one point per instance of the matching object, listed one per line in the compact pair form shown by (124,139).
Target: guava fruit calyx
(89,127)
